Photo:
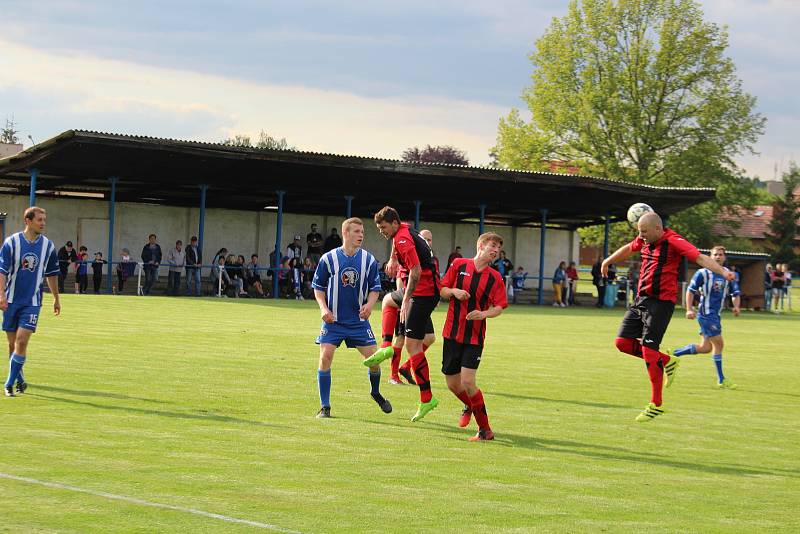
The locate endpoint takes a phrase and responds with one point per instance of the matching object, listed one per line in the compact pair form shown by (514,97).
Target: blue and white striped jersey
(25,265)
(347,282)
(712,289)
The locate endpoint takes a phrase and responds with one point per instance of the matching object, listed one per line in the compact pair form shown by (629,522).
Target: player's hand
(690,314)
(365,311)
(736,312)
(475,315)
(460,294)
(730,276)
(391,268)
(327,316)
(57,307)
(3,303)
(604,269)
(404,307)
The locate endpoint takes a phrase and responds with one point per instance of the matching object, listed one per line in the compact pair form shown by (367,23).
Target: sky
(346,77)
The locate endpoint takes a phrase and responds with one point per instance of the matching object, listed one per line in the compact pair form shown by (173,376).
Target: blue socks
(688,349)
(718,364)
(375,382)
(15,368)
(324,381)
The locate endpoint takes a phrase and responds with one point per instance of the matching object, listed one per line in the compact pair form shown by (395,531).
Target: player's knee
(21,346)
(624,344)
(429,340)
(468,383)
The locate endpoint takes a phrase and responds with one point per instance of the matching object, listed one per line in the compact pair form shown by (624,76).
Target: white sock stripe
(142,502)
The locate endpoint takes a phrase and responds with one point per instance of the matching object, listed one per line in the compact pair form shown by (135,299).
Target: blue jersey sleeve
(51,267)
(698,280)
(5,257)
(374,277)
(322,275)
(734,288)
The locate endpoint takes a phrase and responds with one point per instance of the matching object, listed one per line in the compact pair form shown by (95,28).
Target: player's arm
(622,253)
(690,304)
(52,283)
(3,300)
(391,264)
(478,315)
(366,309)
(413,280)
(704,261)
(453,292)
(322,302)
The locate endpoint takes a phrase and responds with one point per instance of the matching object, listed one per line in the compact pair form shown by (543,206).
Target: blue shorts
(710,326)
(21,316)
(359,335)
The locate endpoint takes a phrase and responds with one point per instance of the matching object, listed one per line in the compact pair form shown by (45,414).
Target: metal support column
(417,204)
(112,204)
(34,175)
(482,219)
(542,233)
(349,211)
(278,231)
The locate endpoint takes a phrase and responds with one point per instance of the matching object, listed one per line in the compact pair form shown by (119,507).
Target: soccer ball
(636,211)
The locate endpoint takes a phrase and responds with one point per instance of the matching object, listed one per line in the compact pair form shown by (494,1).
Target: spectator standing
(194,263)
(295,250)
(125,269)
(314,244)
(218,271)
(778,283)
(787,285)
(599,282)
(82,271)
(176,259)
(572,283)
(253,275)
(453,256)
(66,257)
(768,287)
(559,276)
(333,241)
(151,257)
(97,271)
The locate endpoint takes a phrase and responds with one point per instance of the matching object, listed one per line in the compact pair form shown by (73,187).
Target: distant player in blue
(712,289)
(26,259)
(346,286)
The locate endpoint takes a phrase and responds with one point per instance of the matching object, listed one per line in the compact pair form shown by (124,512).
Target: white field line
(141,502)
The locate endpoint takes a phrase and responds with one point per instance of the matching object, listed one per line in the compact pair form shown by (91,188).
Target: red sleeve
(636,244)
(683,247)
(498,296)
(449,279)
(404,247)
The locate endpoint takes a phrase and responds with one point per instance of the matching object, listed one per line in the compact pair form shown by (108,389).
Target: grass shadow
(559,401)
(90,393)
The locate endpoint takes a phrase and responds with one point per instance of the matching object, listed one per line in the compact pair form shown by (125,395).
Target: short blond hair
(718,247)
(348,222)
(32,212)
(490,236)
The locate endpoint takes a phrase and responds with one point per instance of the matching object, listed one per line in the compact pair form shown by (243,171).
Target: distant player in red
(392,327)
(476,293)
(420,296)
(646,321)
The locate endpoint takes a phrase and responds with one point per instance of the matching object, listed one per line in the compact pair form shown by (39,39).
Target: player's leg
(416,323)
(451,368)
(655,318)
(326,351)
(717,345)
(18,358)
(475,394)
(630,331)
(11,336)
(375,376)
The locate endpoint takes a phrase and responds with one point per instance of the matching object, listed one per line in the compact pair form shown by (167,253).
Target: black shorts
(456,355)
(418,318)
(647,318)
(399,327)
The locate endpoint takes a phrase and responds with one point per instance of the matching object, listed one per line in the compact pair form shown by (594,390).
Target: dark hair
(194,238)
(178,242)
(387,214)
(83,248)
(152,235)
(253,256)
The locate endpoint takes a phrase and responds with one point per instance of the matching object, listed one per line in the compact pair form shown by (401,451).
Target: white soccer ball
(636,211)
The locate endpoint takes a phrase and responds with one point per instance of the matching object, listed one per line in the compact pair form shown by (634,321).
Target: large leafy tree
(436,154)
(641,91)
(785,217)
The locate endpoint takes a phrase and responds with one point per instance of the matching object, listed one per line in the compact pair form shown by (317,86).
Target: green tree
(785,217)
(641,91)
(8,134)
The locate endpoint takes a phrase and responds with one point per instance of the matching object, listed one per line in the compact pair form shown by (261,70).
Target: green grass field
(209,405)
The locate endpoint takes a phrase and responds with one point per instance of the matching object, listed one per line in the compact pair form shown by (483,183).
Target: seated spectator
(285,278)
(236,274)
(253,275)
(518,282)
(333,240)
(218,272)
(309,266)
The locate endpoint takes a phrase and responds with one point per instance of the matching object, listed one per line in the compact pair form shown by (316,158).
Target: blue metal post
(349,211)
(112,204)
(542,232)
(34,175)
(483,219)
(417,204)
(605,236)
(278,231)
(201,230)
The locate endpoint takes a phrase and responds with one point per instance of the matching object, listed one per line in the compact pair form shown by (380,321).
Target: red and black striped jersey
(658,277)
(485,288)
(406,253)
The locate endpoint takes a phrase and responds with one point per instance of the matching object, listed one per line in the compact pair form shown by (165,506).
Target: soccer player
(390,322)
(476,293)
(420,296)
(26,258)
(646,321)
(712,289)
(346,286)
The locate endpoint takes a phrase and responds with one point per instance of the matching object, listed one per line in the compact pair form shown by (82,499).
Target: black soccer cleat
(406,373)
(10,392)
(21,387)
(385,405)
(324,412)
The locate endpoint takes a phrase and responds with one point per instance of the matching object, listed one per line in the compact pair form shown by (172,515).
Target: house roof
(169,171)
